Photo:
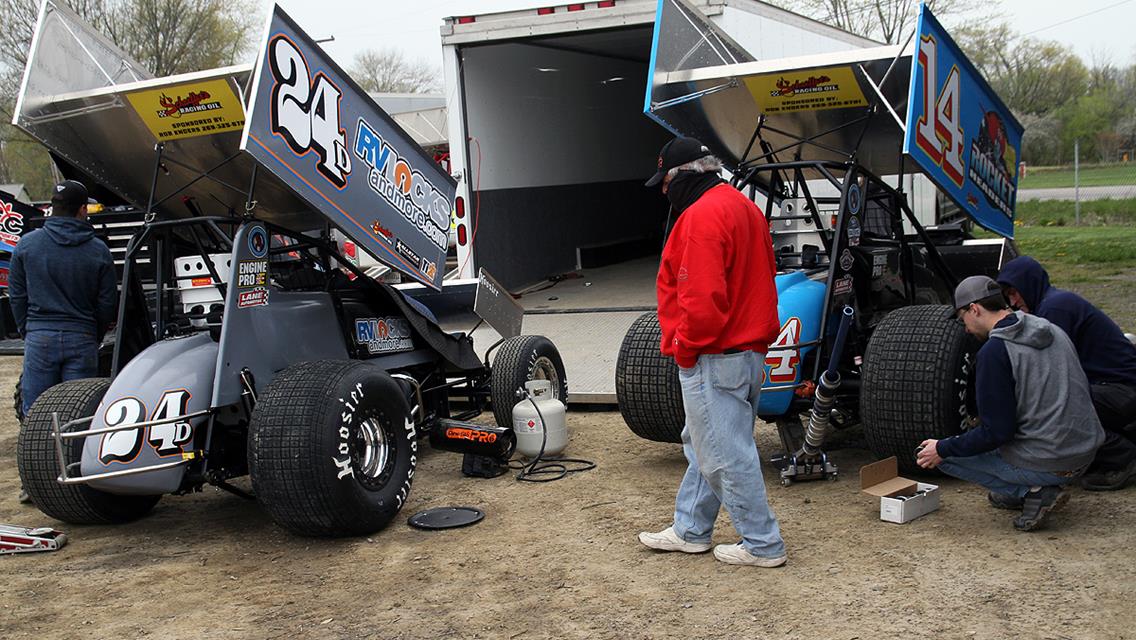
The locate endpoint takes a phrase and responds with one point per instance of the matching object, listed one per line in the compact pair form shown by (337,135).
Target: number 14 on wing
(939,132)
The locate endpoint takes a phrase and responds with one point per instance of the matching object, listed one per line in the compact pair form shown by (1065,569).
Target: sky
(1105,33)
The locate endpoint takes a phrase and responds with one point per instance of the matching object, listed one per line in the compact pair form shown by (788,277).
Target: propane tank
(530,428)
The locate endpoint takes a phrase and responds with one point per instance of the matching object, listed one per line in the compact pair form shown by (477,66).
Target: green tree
(1031,76)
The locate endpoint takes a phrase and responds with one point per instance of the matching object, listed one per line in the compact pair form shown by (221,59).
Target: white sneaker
(737,554)
(667,540)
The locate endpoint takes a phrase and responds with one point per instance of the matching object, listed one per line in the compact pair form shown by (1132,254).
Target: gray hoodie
(1058,428)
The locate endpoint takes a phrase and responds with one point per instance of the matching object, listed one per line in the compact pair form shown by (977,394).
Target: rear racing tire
(332,448)
(647,385)
(918,369)
(39,467)
(518,360)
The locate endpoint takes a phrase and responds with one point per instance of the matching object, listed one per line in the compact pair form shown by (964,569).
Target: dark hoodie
(62,278)
(1105,354)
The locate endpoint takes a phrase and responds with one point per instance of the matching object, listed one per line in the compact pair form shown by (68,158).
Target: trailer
(550,146)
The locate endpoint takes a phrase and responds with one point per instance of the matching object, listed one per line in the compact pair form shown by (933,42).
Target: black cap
(676,153)
(975,288)
(70,192)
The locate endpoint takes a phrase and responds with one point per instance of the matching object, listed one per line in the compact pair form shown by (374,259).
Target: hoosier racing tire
(39,467)
(646,384)
(332,448)
(918,369)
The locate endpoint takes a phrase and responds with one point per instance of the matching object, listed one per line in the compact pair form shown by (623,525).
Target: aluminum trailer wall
(547,127)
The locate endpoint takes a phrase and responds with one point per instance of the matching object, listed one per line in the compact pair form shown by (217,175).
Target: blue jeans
(991,471)
(720,393)
(51,357)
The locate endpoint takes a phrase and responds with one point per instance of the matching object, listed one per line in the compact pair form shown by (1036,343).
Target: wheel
(517,361)
(332,448)
(39,467)
(18,398)
(918,369)
(646,384)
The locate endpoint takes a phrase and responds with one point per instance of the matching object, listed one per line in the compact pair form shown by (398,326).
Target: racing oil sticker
(185,111)
(806,90)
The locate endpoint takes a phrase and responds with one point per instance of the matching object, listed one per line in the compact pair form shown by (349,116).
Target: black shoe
(1003,501)
(1114,480)
(1037,505)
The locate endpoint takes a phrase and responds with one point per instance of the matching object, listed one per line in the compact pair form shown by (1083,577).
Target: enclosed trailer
(548,138)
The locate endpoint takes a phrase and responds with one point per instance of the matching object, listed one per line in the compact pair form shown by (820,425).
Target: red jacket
(715,284)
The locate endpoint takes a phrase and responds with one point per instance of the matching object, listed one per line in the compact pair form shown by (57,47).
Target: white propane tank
(528,425)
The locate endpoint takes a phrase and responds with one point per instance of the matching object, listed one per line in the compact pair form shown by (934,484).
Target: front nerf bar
(61,433)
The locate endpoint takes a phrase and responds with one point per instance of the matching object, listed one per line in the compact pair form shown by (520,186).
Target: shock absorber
(810,462)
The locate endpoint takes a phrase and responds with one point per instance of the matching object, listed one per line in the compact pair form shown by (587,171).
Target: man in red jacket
(718,314)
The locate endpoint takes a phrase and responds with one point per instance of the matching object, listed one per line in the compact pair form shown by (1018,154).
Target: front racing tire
(518,360)
(332,448)
(918,369)
(646,384)
(39,467)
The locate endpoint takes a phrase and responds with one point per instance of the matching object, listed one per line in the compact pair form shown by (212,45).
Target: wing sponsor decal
(807,90)
(189,110)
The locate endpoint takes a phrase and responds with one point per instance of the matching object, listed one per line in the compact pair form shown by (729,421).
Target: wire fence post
(1077,182)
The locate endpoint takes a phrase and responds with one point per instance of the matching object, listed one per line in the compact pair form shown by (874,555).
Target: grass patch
(1098,263)
(1110,248)
(1103,175)
(1060,213)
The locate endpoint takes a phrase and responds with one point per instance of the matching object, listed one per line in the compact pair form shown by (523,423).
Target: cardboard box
(901,500)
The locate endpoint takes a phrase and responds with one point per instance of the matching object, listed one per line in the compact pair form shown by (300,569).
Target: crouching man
(1038,430)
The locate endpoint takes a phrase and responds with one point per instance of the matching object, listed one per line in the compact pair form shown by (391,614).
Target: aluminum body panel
(170,378)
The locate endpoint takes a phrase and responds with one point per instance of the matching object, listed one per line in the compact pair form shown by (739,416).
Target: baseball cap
(70,192)
(975,288)
(676,153)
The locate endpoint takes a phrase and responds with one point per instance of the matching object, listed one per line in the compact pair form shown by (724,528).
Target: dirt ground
(560,560)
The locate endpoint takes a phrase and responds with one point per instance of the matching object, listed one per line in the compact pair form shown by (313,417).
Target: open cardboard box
(901,500)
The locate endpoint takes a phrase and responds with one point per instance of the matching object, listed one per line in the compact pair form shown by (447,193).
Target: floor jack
(15,539)
(810,462)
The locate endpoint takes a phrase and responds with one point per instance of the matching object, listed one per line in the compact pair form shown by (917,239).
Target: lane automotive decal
(383,335)
(257,297)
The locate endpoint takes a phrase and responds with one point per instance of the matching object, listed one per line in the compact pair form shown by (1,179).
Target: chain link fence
(1079,192)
